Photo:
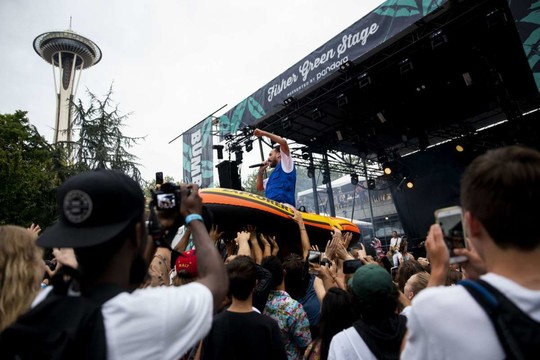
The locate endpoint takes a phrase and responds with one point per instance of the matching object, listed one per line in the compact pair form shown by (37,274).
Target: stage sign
(197,154)
(377,27)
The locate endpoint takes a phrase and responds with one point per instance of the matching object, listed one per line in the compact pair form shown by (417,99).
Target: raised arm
(275,138)
(210,267)
(304,238)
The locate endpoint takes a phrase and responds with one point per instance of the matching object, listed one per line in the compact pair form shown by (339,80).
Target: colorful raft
(233,209)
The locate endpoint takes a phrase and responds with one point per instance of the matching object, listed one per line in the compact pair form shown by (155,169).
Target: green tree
(27,172)
(101,142)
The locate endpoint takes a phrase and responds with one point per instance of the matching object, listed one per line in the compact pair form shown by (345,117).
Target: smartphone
(159,178)
(350,266)
(314,257)
(451,221)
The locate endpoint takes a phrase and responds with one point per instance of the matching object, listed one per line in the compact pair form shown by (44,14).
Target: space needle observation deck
(68,53)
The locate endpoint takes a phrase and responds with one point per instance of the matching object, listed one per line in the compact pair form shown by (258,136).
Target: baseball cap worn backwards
(369,280)
(94,207)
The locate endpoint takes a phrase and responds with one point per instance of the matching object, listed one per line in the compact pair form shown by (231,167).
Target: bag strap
(494,303)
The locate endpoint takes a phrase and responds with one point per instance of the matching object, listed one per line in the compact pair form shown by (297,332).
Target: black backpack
(518,333)
(60,327)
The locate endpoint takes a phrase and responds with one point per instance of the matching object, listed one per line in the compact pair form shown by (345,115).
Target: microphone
(256,165)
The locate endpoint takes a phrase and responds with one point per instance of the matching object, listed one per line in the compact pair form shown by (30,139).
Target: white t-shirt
(155,323)
(395,241)
(447,323)
(349,345)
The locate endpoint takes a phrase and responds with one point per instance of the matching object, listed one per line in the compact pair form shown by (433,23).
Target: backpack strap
(496,306)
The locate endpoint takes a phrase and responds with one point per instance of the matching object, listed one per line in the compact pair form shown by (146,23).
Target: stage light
(342,100)
(371,184)
(409,183)
(286,123)
(387,168)
(354,179)
(405,66)
(239,156)
(306,155)
(325,177)
(438,38)
(288,101)
(364,80)
(346,66)
(310,172)
(249,146)
(381,117)
(219,149)
(316,114)
(460,148)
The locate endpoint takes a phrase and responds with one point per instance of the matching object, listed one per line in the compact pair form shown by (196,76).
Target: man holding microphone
(281,184)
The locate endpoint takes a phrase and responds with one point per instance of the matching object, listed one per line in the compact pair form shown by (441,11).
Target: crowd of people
(211,297)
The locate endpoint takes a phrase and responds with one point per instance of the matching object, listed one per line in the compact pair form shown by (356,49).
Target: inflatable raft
(234,209)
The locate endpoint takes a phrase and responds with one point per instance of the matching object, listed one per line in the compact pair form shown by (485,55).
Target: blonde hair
(418,282)
(20,260)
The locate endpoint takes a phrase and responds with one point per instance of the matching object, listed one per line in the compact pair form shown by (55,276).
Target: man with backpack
(96,315)
(497,315)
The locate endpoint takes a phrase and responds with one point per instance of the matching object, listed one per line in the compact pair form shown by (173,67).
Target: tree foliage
(27,172)
(101,143)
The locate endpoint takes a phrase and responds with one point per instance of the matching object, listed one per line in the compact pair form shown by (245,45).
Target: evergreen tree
(28,173)
(101,143)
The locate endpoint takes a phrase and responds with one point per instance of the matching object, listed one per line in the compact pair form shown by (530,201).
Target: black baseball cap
(94,207)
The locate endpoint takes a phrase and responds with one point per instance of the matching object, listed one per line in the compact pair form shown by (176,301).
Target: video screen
(452,228)
(166,201)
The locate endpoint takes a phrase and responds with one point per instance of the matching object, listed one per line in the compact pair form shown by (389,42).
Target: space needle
(68,53)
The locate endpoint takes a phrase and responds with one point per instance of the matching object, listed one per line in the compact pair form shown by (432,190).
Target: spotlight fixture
(310,172)
(219,149)
(286,123)
(438,38)
(409,183)
(316,114)
(249,145)
(305,155)
(354,179)
(325,177)
(288,101)
(405,66)
(342,100)
(387,168)
(460,148)
(364,80)
(347,65)
(239,156)
(371,184)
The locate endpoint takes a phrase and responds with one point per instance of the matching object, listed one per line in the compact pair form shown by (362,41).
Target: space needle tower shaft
(68,53)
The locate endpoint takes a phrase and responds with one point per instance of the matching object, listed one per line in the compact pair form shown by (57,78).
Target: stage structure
(68,53)
(398,83)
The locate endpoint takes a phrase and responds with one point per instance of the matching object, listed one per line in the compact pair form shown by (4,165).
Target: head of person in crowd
(405,270)
(507,180)
(403,245)
(275,267)
(242,277)
(453,277)
(376,296)
(185,268)
(337,314)
(101,217)
(415,284)
(21,271)
(296,276)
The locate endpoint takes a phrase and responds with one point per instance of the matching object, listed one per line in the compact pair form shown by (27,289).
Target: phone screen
(452,226)
(166,201)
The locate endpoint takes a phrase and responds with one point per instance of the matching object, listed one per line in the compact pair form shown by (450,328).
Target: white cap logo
(77,206)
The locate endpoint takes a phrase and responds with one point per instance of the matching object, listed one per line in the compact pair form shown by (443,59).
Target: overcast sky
(173,62)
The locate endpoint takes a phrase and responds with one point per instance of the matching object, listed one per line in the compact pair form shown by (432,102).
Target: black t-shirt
(243,336)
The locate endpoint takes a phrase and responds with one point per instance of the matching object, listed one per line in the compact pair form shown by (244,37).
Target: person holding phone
(498,192)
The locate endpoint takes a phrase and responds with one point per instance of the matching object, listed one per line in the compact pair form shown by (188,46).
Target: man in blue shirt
(281,184)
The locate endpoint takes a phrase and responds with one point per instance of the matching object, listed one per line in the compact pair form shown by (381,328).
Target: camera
(167,197)
(50,264)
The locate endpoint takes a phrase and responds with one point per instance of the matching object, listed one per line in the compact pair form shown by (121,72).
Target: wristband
(192,217)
